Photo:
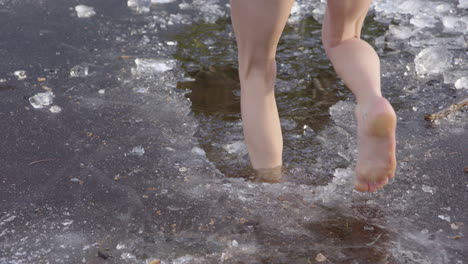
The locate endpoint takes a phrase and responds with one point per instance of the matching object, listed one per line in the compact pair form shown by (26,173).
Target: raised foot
(376,145)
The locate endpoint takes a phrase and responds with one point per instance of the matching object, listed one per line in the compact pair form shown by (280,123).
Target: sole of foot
(376,145)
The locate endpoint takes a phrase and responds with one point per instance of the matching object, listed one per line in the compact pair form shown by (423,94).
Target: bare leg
(258,25)
(356,62)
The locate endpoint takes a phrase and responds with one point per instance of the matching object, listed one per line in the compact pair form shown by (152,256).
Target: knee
(257,65)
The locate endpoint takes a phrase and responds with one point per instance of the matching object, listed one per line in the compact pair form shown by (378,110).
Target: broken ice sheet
(41,99)
(83,11)
(433,60)
(152,66)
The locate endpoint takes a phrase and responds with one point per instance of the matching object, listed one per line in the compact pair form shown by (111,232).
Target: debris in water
(465,169)
(458,105)
(79,71)
(102,91)
(456,226)
(103,254)
(55,109)
(154,261)
(320,257)
(41,99)
(41,79)
(20,75)
(83,11)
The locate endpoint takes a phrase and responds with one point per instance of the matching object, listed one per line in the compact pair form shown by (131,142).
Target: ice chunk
(55,109)
(444,217)
(20,75)
(462,83)
(152,66)
(237,147)
(141,6)
(462,3)
(138,150)
(423,21)
(84,11)
(41,99)
(120,246)
(198,151)
(433,60)
(141,89)
(400,32)
(428,189)
(455,24)
(161,1)
(79,71)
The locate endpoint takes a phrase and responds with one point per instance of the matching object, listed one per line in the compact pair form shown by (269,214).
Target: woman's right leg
(356,62)
(258,25)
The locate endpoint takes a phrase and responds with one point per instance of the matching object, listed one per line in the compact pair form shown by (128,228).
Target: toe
(361,186)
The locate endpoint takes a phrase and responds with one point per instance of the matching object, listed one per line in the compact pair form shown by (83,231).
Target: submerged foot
(376,145)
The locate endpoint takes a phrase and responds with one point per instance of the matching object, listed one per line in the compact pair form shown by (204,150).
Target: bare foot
(271,175)
(376,145)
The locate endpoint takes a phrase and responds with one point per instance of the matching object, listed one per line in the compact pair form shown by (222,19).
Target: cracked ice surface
(153,168)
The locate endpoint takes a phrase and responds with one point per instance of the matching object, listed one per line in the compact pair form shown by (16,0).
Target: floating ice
(141,6)
(237,147)
(120,246)
(210,9)
(41,99)
(433,60)
(462,83)
(400,32)
(161,1)
(428,189)
(423,21)
(79,71)
(83,11)
(198,151)
(455,24)
(462,4)
(20,75)
(55,109)
(67,222)
(444,217)
(138,150)
(152,66)
(141,89)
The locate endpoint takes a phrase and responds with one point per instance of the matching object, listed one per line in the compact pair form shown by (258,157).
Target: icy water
(122,142)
